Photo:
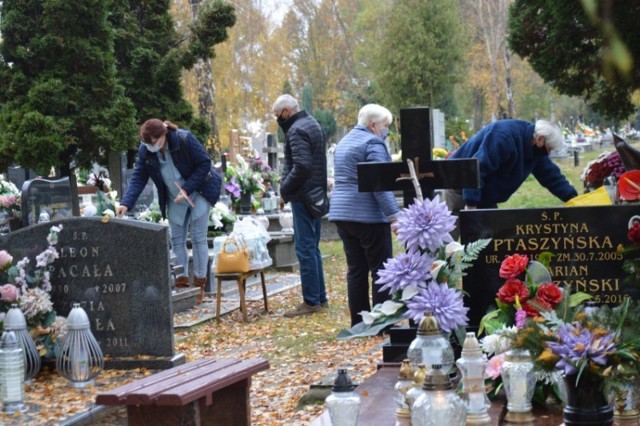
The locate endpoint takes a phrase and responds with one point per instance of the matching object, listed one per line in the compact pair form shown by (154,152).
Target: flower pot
(586,402)
(245,203)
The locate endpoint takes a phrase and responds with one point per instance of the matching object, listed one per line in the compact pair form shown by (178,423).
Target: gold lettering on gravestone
(575,247)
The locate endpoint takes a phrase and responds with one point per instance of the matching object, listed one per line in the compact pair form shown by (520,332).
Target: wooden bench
(241,279)
(204,392)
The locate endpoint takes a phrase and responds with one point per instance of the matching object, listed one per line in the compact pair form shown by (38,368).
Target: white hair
(286,101)
(376,113)
(552,134)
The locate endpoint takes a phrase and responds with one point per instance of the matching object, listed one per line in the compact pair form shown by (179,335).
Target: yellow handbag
(233,257)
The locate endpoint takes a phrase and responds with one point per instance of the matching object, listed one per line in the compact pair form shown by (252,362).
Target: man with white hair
(304,177)
(508,151)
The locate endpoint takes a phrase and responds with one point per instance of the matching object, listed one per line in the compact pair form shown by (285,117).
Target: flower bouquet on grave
(605,165)
(29,286)
(240,178)
(527,297)
(10,202)
(221,218)
(631,254)
(427,278)
(152,214)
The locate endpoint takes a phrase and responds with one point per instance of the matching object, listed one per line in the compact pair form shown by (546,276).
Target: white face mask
(153,148)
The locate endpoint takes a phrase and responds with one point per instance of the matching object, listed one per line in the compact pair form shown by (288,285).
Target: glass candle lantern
(343,404)
(286,219)
(438,405)
(16,322)
(519,383)
(80,359)
(416,386)
(472,365)
(11,373)
(430,347)
(404,383)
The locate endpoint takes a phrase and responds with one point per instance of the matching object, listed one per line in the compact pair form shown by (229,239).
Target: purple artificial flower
(521,316)
(444,303)
(406,269)
(579,345)
(425,225)
(233,187)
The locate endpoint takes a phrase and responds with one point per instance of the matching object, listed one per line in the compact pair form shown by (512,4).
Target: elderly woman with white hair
(508,151)
(363,219)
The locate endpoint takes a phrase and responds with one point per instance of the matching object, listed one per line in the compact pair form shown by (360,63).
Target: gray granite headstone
(52,197)
(119,272)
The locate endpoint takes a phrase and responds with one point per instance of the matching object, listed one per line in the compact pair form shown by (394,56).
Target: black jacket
(305,160)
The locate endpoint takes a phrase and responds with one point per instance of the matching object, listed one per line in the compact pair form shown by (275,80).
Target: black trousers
(366,247)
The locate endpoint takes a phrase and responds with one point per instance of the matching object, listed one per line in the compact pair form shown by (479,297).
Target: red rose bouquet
(527,291)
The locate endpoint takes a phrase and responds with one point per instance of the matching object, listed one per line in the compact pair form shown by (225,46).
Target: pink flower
(494,367)
(521,316)
(5,259)
(9,293)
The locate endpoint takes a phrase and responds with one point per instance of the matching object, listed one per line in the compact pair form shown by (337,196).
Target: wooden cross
(417,144)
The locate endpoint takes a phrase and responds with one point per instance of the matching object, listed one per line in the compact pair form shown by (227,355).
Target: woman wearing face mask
(363,219)
(187,187)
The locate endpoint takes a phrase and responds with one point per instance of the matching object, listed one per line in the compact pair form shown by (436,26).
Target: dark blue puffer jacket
(191,160)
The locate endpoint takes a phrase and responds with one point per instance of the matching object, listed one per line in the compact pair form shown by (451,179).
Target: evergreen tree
(582,48)
(61,102)
(417,61)
(151,55)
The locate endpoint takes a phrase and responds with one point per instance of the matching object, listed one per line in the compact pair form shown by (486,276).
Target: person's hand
(180,198)
(394,227)
(121,210)
(469,207)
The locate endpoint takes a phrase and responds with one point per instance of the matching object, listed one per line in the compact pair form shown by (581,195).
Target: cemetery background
(302,351)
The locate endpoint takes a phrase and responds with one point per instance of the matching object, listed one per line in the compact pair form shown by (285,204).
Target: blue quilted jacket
(347,204)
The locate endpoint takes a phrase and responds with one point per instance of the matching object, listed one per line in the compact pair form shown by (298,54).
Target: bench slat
(180,373)
(201,387)
(147,394)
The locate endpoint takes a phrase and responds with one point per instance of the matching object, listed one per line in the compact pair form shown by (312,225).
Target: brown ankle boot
(182,282)
(199,282)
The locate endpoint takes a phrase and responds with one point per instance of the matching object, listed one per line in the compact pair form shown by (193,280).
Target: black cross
(417,144)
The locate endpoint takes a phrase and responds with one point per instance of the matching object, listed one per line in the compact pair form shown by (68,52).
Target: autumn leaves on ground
(301,352)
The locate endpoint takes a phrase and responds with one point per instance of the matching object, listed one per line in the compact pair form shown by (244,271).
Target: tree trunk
(506,56)
(206,93)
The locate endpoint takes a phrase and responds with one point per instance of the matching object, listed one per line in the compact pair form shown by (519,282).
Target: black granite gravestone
(119,273)
(52,197)
(584,241)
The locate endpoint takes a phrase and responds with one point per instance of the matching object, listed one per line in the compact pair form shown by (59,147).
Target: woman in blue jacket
(187,187)
(363,219)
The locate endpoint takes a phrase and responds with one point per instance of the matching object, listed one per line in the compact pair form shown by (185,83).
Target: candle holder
(519,384)
(430,347)
(286,219)
(438,405)
(416,386)
(472,365)
(11,374)
(16,322)
(404,383)
(80,359)
(343,403)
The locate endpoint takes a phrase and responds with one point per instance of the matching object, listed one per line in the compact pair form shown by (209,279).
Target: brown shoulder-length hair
(154,129)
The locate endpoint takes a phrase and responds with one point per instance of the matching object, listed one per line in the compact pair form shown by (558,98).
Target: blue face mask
(384,133)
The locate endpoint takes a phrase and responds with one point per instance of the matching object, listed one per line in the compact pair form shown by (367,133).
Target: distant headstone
(119,273)
(19,175)
(439,134)
(46,198)
(583,239)
(147,197)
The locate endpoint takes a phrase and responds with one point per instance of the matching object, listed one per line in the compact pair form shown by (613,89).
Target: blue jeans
(199,247)
(307,241)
